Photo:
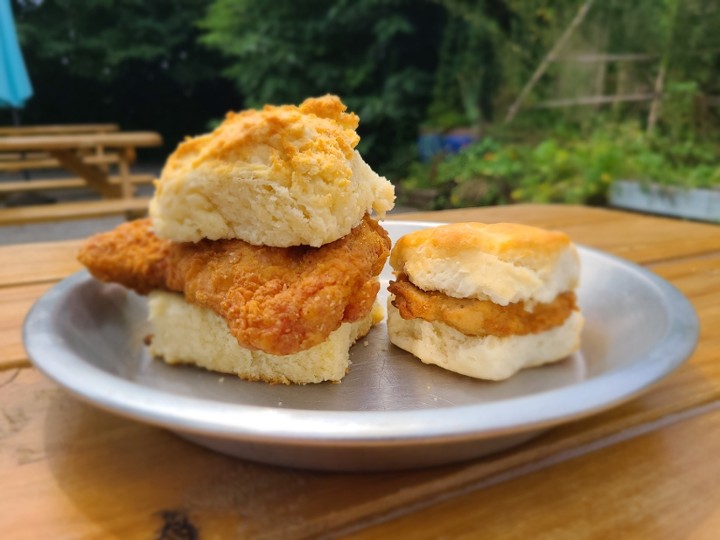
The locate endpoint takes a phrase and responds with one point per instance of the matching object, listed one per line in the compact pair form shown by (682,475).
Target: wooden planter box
(702,204)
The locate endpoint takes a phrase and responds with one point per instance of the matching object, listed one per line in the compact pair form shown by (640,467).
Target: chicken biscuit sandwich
(260,256)
(485,300)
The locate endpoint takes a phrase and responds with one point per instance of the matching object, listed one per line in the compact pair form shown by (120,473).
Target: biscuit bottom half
(185,333)
(488,357)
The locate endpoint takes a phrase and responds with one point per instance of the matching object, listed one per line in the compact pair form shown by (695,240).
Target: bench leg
(126,186)
(93,176)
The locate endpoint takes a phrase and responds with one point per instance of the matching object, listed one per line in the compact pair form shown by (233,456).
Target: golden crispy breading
(130,254)
(475,317)
(278,300)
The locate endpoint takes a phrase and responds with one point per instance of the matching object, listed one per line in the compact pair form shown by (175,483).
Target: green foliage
(466,73)
(488,51)
(565,169)
(689,163)
(678,109)
(559,155)
(400,64)
(101,39)
(135,63)
(576,171)
(378,55)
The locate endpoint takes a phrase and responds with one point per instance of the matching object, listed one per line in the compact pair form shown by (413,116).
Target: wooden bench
(21,215)
(86,155)
(59,129)
(39,160)
(15,161)
(49,184)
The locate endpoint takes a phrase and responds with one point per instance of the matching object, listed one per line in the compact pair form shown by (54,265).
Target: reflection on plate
(390,411)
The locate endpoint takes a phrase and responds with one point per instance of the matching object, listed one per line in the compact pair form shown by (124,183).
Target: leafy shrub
(573,170)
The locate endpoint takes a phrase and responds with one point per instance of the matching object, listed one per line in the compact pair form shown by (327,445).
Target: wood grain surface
(38,263)
(16,302)
(60,129)
(69,470)
(656,485)
(23,143)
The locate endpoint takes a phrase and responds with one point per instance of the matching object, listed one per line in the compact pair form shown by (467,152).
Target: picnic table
(57,129)
(87,154)
(645,469)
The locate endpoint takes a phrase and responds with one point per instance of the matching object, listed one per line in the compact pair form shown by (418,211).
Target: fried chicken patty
(475,317)
(277,300)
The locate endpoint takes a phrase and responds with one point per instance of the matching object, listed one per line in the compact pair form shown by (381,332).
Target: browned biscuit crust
(512,242)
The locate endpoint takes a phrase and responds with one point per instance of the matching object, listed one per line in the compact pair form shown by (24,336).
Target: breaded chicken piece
(475,317)
(277,300)
(130,255)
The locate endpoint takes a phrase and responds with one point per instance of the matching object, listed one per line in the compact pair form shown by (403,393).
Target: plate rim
(256,423)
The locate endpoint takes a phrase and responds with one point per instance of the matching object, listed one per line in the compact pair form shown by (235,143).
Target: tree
(133,62)
(378,55)
(489,49)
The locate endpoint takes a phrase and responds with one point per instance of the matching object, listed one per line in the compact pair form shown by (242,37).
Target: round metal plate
(390,411)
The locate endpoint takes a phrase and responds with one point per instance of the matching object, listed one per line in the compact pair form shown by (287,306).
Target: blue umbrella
(15,87)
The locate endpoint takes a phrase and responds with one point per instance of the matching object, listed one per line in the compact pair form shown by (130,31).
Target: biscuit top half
(280,176)
(502,262)
(315,139)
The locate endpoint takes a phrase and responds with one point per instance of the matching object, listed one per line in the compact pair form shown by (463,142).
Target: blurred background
(461,102)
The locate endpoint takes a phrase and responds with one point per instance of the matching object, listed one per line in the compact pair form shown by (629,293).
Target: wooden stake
(593,100)
(549,58)
(655,105)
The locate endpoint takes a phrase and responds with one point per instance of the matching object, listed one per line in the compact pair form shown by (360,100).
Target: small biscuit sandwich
(485,300)
(260,257)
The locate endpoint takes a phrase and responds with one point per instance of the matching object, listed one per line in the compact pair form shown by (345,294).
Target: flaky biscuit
(185,333)
(502,262)
(280,176)
(488,357)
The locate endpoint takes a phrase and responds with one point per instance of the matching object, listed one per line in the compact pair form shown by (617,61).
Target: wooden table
(87,155)
(66,149)
(647,469)
(58,129)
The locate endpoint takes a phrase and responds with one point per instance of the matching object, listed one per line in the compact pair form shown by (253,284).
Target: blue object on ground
(15,87)
(431,144)
(453,143)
